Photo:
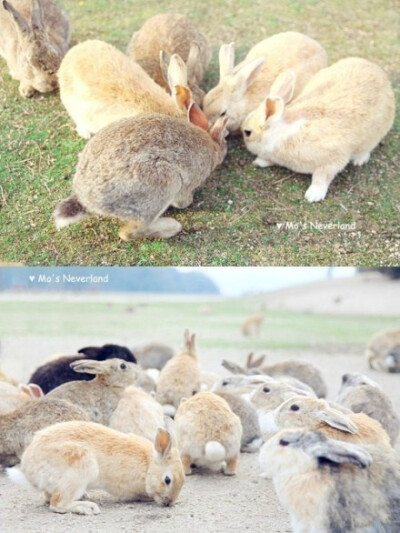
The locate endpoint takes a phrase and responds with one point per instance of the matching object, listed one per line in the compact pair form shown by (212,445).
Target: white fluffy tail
(18,477)
(214,451)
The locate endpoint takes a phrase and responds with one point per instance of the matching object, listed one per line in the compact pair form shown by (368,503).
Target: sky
(235,281)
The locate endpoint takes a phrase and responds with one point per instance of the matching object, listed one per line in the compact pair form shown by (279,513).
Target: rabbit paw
(26,90)
(361,159)
(263,163)
(316,193)
(83,132)
(78,507)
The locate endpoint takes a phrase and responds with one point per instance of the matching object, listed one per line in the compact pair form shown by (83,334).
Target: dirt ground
(209,503)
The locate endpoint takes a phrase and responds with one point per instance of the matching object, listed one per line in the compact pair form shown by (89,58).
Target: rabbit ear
(163,443)
(193,59)
(247,75)
(274,107)
(226,60)
(197,117)
(88,366)
(177,73)
(165,59)
(20,23)
(32,390)
(340,453)
(254,363)
(219,131)
(91,351)
(284,85)
(183,97)
(337,420)
(37,16)
(233,367)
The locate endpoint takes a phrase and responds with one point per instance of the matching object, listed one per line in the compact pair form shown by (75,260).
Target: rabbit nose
(167,502)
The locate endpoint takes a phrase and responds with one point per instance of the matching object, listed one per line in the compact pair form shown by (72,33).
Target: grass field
(233,220)
(217,324)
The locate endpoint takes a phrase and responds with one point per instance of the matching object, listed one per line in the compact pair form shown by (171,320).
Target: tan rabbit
(383,351)
(171,33)
(252,325)
(180,377)
(66,459)
(99,397)
(327,485)
(329,125)
(12,398)
(34,37)
(317,414)
(208,433)
(100,85)
(134,169)
(241,89)
(137,412)
(18,427)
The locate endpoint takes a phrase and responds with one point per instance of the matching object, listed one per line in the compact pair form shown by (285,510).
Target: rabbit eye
(167,480)
(247,133)
(122,366)
(283,442)
(223,113)
(294,407)
(224,383)
(266,389)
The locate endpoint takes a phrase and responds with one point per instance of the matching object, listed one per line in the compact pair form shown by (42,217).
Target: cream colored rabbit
(34,37)
(208,433)
(171,33)
(241,89)
(65,460)
(134,169)
(340,117)
(180,377)
(100,85)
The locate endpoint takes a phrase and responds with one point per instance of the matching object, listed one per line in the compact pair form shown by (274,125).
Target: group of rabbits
(153,145)
(333,464)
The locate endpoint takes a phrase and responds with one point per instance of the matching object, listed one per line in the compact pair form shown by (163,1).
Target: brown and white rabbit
(18,427)
(69,458)
(327,485)
(34,37)
(99,397)
(363,395)
(341,115)
(100,85)
(208,433)
(180,377)
(317,414)
(241,89)
(134,169)
(171,33)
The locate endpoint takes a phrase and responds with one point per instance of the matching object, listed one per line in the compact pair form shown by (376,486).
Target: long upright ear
(88,366)
(226,60)
(197,117)
(32,390)
(247,75)
(163,443)
(90,351)
(37,16)
(274,107)
(193,59)
(183,97)
(284,85)
(165,59)
(219,130)
(254,363)
(177,73)
(338,452)
(233,367)
(20,23)
(337,420)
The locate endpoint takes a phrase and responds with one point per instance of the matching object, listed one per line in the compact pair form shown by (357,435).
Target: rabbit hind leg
(161,228)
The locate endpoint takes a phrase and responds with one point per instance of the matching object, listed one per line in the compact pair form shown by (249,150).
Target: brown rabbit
(134,169)
(34,37)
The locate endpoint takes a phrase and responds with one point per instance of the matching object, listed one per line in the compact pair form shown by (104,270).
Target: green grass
(216,322)
(233,220)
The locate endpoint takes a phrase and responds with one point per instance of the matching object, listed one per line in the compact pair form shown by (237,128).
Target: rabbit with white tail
(100,85)
(134,169)
(66,459)
(333,486)
(171,33)
(341,115)
(241,89)
(34,37)
(208,433)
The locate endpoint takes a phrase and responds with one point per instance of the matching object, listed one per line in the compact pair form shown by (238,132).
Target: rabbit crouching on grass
(66,459)
(134,169)
(341,115)
(34,37)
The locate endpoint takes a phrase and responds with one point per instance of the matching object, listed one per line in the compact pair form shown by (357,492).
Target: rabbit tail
(69,211)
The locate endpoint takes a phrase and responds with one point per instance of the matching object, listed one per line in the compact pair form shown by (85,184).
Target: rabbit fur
(383,351)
